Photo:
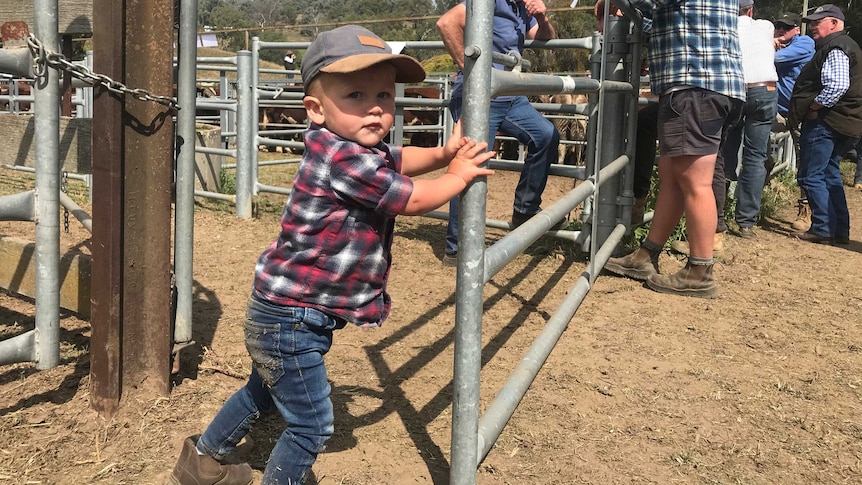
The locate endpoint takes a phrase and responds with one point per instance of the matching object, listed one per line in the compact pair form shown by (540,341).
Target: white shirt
(758,51)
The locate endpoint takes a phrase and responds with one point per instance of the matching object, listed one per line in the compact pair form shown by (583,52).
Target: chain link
(43,58)
(64,187)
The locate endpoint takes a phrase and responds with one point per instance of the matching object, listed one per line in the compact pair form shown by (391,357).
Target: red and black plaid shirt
(334,249)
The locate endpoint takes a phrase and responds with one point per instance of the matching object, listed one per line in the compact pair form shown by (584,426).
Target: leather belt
(768,84)
(678,87)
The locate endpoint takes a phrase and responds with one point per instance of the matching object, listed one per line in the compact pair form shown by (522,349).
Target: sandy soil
(759,386)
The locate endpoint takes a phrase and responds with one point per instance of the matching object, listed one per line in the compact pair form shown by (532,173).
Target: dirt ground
(762,385)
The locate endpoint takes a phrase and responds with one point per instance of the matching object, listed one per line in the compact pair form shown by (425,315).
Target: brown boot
(803,217)
(693,280)
(195,469)
(681,246)
(638,209)
(638,265)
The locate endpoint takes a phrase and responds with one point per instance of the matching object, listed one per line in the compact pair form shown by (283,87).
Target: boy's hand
(455,142)
(469,156)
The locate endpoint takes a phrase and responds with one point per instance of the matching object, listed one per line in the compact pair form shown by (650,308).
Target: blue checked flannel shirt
(695,43)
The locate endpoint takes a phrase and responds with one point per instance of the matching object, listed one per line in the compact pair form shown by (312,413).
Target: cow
(571,128)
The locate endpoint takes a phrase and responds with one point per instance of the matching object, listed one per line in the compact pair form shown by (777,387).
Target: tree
(230,17)
(772,9)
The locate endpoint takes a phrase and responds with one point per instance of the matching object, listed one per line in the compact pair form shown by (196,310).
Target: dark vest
(846,116)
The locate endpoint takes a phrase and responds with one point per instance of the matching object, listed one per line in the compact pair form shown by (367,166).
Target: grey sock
(652,248)
(699,261)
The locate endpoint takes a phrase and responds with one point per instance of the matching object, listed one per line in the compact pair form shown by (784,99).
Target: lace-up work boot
(638,265)
(195,469)
(681,246)
(803,217)
(693,280)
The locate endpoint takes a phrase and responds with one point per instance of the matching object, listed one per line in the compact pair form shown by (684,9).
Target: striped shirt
(835,77)
(334,250)
(694,43)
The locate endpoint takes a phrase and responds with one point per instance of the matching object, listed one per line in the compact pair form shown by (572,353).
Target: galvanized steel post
(47,131)
(471,249)
(245,133)
(184,219)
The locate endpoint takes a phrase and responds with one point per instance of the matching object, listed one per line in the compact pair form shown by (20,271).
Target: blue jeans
(857,177)
(821,149)
(761,104)
(515,117)
(286,345)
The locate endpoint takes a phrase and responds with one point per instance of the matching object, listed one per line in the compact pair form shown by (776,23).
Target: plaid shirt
(835,77)
(694,43)
(333,252)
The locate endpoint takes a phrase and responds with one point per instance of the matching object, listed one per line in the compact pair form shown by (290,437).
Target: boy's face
(358,106)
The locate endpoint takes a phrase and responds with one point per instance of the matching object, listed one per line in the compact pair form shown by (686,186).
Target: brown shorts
(690,122)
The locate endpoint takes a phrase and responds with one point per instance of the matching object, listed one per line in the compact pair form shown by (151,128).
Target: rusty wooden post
(149,140)
(132,169)
(108,148)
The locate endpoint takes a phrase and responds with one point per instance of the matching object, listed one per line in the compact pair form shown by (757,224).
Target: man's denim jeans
(515,117)
(821,150)
(287,345)
(761,104)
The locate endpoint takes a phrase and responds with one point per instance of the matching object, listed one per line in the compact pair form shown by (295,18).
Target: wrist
(459,178)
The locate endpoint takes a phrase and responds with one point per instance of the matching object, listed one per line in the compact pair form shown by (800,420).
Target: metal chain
(43,58)
(64,187)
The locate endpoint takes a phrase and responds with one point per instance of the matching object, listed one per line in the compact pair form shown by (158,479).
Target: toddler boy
(330,262)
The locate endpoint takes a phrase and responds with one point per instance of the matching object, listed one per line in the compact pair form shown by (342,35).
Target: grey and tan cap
(351,48)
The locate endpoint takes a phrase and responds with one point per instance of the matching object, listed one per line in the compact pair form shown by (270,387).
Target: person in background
(696,70)
(827,101)
(330,263)
(514,21)
(645,155)
(290,63)
(761,105)
(792,51)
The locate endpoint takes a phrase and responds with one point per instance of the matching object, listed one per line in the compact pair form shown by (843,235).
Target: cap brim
(407,69)
(786,24)
(818,16)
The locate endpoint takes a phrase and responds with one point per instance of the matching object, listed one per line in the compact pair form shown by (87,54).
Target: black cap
(789,19)
(824,11)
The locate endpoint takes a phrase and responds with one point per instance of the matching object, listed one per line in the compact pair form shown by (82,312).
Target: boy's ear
(314,109)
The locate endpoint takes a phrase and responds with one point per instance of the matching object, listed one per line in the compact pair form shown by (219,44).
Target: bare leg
(686,186)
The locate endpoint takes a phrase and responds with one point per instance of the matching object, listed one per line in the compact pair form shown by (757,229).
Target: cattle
(419,116)
(571,128)
(281,118)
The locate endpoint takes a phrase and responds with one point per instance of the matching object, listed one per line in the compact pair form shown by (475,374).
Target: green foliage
(772,9)
(781,192)
(440,63)
(569,24)
(271,55)
(227,182)
(229,17)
